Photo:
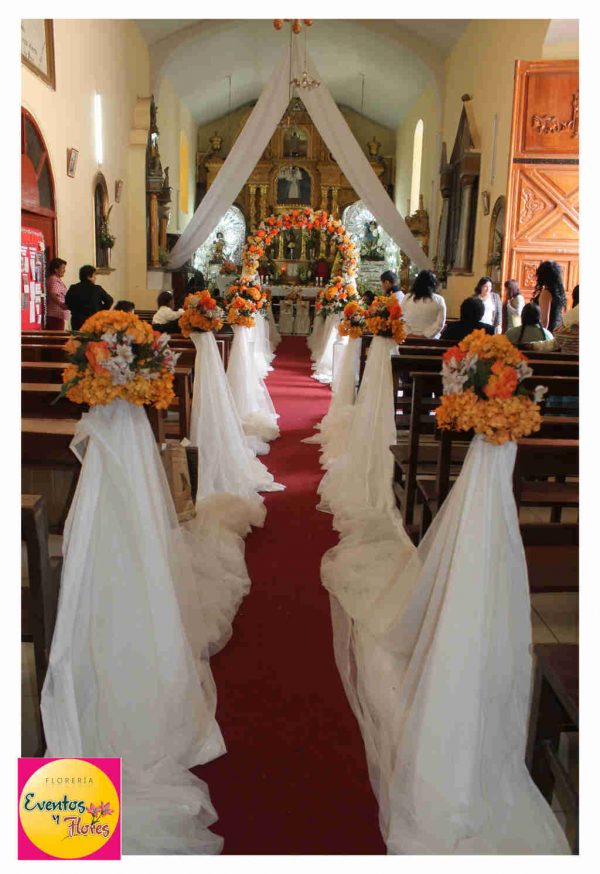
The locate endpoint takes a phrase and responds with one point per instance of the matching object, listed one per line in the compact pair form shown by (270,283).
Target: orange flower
(96,353)
(502,383)
(454,354)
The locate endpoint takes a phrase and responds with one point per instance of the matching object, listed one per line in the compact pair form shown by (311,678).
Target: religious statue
(371,249)
(216,143)
(217,255)
(374,147)
(291,249)
(293,185)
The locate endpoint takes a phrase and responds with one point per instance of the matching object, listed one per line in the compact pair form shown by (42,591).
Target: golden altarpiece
(296,170)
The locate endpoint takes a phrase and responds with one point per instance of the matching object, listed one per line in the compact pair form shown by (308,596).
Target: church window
(100,210)
(415,186)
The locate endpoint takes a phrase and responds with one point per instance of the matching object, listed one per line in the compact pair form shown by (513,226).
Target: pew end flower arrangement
(384,318)
(484,392)
(353,323)
(201,313)
(244,300)
(117,355)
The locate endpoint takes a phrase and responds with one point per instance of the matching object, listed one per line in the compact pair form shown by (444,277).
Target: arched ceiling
(398,59)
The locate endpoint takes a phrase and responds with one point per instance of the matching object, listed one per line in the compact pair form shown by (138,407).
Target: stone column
(466,200)
(325,206)
(334,201)
(441,242)
(154,262)
(263,202)
(252,190)
(303,246)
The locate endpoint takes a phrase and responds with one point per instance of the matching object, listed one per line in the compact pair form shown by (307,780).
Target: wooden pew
(560,432)
(37,401)
(554,711)
(39,600)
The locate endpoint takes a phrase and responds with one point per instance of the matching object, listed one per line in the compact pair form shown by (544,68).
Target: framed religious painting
(293,186)
(72,157)
(37,48)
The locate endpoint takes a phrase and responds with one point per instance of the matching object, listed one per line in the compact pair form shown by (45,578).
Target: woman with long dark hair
(424,310)
(491,302)
(514,303)
(531,330)
(550,294)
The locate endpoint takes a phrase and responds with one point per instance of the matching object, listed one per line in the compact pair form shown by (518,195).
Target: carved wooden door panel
(543,188)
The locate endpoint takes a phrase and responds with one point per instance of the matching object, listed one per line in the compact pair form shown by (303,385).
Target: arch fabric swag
(253,140)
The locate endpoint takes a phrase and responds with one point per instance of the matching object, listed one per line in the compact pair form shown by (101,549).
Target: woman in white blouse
(491,302)
(424,310)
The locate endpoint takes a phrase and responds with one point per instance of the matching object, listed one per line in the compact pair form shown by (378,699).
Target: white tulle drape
(334,429)
(315,337)
(127,673)
(323,366)
(262,344)
(274,335)
(253,139)
(359,474)
(433,646)
(226,465)
(302,321)
(251,396)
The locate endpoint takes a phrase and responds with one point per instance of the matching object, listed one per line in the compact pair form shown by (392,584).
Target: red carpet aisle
(294,779)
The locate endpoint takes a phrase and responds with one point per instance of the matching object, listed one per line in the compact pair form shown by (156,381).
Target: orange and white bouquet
(483,390)
(384,318)
(338,293)
(353,323)
(117,355)
(244,300)
(201,313)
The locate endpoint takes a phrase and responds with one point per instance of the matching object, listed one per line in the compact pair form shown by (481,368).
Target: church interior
(247,216)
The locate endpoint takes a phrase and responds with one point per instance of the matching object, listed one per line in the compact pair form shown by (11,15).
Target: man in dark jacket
(86,298)
(472,310)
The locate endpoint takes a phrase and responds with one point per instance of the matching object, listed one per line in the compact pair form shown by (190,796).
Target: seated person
(566,338)
(166,319)
(531,328)
(125,306)
(472,310)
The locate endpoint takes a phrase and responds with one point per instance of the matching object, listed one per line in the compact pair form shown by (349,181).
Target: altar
(306,291)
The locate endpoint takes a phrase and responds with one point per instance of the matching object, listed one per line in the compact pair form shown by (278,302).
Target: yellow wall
(174,117)
(110,57)
(426,107)
(482,64)
(229,125)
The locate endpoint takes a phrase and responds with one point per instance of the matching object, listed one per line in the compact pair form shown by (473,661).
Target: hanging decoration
(296,23)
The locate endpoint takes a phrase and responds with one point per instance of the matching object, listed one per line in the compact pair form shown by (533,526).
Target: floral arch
(270,228)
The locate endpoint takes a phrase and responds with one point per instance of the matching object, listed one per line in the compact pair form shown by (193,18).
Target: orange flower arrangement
(353,323)
(244,300)
(201,313)
(117,355)
(270,228)
(482,379)
(384,317)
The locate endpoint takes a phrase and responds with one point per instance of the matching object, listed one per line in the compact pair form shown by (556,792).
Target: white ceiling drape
(253,140)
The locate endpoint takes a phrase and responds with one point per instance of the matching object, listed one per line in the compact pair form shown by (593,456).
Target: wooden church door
(543,186)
